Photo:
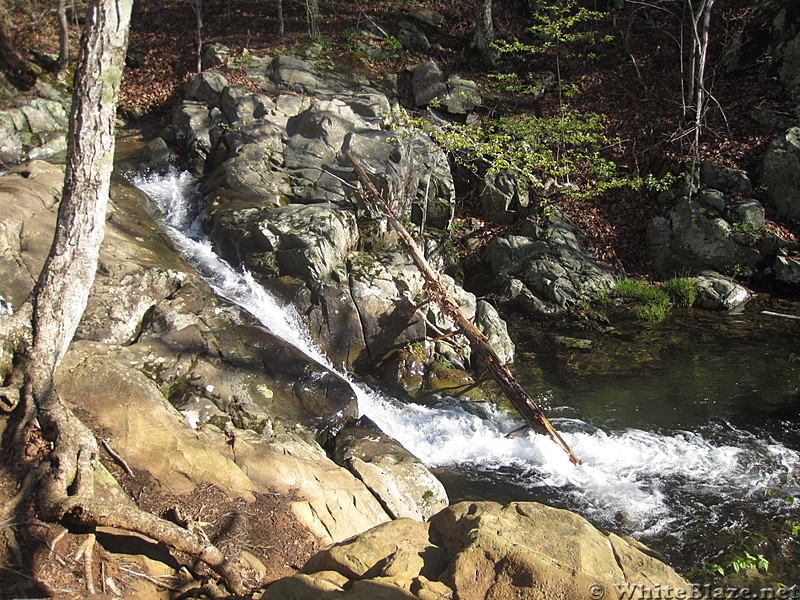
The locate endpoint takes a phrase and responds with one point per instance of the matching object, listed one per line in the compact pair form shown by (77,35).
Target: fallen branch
(520,399)
(780,315)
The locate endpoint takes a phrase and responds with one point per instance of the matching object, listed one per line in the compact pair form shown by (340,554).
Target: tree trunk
(701,26)
(197,5)
(312,16)
(63,36)
(63,287)
(483,38)
(55,307)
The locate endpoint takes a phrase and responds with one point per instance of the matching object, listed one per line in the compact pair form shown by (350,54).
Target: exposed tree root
(85,553)
(67,493)
(63,481)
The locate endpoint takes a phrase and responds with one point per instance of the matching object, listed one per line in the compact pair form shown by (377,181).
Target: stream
(687,430)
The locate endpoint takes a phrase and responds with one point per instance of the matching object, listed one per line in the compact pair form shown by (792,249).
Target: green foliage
(653,313)
(323,41)
(736,271)
(654,302)
(565,148)
(741,557)
(527,85)
(446,363)
(557,24)
(682,290)
(392,43)
(754,233)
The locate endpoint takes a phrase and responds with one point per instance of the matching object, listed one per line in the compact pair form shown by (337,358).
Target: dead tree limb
(522,402)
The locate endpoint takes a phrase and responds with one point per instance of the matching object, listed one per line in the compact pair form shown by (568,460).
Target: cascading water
(656,485)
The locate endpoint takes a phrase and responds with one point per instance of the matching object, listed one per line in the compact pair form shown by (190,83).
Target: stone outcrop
(719,232)
(402,484)
(453,95)
(546,270)
(482,550)
(780,174)
(283,202)
(182,385)
(34,128)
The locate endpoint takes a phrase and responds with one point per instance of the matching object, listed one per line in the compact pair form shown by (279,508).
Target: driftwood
(522,402)
(769,313)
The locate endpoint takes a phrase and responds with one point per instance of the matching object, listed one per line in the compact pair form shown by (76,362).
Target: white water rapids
(653,479)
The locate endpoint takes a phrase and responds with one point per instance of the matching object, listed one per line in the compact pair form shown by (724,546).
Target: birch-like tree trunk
(701,25)
(39,333)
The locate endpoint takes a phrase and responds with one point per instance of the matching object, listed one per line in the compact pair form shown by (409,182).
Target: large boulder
(151,436)
(314,78)
(719,292)
(780,174)
(504,551)
(403,485)
(453,94)
(386,289)
(701,236)
(502,197)
(484,551)
(193,122)
(310,242)
(723,229)
(548,269)
(284,202)
(29,195)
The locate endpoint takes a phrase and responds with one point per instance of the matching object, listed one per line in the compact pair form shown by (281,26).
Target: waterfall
(653,480)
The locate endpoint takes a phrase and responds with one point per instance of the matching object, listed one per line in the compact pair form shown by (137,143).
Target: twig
(152,580)
(52,546)
(330,172)
(109,581)
(117,457)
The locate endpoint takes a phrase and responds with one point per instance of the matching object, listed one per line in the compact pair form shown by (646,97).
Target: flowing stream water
(668,456)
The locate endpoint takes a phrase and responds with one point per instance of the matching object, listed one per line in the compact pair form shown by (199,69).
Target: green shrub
(652,313)
(682,290)
(654,301)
